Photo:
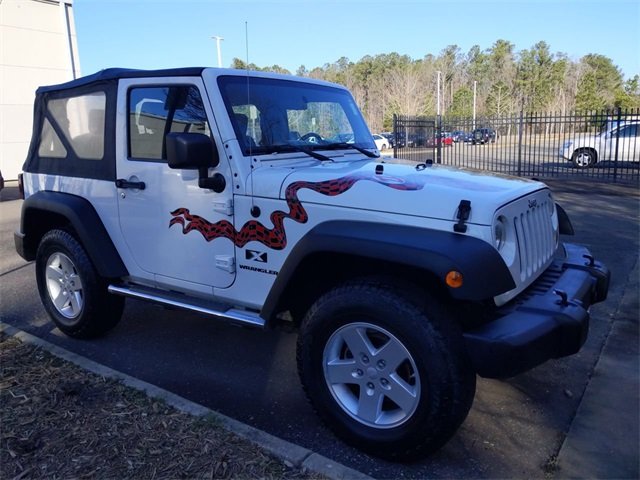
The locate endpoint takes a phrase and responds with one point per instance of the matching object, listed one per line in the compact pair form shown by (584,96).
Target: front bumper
(565,154)
(548,320)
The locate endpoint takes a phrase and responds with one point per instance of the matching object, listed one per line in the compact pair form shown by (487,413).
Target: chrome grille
(536,243)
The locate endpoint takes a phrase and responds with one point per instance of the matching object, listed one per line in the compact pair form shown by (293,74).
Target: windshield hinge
(464,211)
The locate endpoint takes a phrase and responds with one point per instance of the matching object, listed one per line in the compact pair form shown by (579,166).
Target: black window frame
(128,115)
(73,165)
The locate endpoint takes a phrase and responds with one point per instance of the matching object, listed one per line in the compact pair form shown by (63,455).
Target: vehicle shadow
(9,193)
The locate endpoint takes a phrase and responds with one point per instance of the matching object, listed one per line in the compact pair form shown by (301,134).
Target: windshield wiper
(295,148)
(341,145)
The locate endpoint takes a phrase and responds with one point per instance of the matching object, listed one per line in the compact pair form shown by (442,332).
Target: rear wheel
(583,158)
(71,290)
(388,375)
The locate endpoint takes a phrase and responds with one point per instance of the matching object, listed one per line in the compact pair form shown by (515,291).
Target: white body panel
(255,279)
(103,196)
(175,260)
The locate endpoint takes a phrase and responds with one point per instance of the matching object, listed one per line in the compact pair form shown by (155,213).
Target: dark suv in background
(483,135)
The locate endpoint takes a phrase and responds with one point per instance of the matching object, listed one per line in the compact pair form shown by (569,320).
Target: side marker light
(454,279)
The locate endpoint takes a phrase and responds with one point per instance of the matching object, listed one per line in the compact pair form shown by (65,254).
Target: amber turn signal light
(454,279)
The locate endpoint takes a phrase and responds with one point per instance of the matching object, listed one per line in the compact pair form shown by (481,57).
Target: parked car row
(424,139)
(382,143)
(477,136)
(483,135)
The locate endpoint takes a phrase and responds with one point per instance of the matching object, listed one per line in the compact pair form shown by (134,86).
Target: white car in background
(621,141)
(381,142)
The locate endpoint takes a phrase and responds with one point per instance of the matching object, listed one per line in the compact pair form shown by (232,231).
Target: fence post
(615,160)
(395,136)
(520,126)
(439,140)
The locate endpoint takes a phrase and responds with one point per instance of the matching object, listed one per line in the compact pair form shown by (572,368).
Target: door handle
(122,183)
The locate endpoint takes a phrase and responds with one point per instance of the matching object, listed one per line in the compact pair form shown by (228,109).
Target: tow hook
(591,260)
(564,298)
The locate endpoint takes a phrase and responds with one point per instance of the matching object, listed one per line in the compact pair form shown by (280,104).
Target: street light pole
(438,132)
(474,103)
(218,39)
(438,104)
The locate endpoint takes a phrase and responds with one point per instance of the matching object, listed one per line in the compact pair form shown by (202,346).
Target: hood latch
(464,210)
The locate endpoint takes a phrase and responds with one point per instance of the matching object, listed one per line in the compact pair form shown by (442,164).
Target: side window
(80,120)
(156,111)
(246,122)
(629,131)
(50,144)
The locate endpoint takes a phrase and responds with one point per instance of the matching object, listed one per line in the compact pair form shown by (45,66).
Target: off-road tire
(94,311)
(444,376)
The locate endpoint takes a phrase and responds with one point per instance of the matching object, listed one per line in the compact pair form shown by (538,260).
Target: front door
(155,219)
(629,142)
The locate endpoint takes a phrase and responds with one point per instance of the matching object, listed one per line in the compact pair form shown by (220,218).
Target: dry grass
(58,421)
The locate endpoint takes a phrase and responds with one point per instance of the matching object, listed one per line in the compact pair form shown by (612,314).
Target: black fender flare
(484,272)
(84,220)
(564,223)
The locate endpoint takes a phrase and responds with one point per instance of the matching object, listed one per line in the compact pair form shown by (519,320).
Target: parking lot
(533,425)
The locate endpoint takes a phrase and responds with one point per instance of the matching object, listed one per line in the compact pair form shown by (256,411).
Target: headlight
(567,144)
(555,224)
(504,239)
(500,233)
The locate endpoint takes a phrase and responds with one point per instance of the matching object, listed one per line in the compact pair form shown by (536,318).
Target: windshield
(270,115)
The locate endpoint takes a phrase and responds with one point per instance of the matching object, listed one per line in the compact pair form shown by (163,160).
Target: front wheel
(584,158)
(389,375)
(71,290)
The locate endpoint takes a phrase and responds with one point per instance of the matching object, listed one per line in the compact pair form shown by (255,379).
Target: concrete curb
(603,439)
(291,454)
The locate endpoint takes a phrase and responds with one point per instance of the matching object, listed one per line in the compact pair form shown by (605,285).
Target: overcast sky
(289,33)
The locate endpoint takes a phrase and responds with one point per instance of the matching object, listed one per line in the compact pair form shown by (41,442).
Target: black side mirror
(191,151)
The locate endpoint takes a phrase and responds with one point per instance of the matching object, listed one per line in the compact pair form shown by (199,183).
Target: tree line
(506,81)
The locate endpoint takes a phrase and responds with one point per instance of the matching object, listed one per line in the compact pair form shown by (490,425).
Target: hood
(433,192)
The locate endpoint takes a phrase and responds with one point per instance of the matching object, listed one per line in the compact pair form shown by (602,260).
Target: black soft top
(106,82)
(114,74)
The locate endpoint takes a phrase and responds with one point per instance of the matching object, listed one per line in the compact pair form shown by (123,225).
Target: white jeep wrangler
(260,199)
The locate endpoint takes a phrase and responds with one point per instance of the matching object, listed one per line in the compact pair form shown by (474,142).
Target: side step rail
(232,315)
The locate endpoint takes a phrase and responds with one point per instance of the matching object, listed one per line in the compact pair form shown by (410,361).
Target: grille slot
(535,239)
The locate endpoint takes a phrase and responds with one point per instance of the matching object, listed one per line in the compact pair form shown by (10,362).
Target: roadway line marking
(289,452)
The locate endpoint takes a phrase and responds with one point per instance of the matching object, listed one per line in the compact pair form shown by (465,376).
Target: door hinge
(225,207)
(226,263)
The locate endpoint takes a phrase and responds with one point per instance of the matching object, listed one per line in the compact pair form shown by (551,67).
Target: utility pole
(218,39)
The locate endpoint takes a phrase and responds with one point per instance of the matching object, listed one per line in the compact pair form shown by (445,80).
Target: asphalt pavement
(574,417)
